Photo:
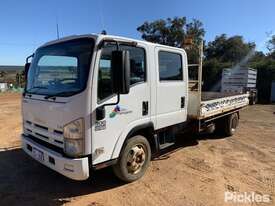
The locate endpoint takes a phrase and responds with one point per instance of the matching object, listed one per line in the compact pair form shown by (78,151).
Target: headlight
(73,148)
(74,138)
(74,130)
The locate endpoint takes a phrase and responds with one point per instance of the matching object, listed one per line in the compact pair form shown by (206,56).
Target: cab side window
(137,69)
(137,61)
(170,66)
(104,87)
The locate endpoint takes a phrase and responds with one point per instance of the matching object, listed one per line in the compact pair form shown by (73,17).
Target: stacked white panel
(238,80)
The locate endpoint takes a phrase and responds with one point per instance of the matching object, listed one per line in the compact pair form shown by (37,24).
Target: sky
(26,24)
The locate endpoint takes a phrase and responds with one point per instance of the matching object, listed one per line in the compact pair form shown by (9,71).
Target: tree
(171,32)
(265,75)
(224,52)
(2,74)
(231,50)
(271,44)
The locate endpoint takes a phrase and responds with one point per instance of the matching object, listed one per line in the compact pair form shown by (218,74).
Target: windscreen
(61,69)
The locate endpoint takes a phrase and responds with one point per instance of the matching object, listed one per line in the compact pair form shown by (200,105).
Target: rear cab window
(170,66)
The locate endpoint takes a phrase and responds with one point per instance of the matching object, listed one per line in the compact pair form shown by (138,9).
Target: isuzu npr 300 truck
(93,101)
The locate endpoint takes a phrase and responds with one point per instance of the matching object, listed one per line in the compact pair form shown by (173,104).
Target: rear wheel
(134,159)
(231,124)
(227,126)
(252,100)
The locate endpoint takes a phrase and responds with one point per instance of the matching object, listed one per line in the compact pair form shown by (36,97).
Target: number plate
(38,154)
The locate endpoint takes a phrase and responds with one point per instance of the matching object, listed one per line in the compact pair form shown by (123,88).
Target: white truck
(93,101)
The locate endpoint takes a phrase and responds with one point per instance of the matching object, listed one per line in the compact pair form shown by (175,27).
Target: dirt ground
(196,173)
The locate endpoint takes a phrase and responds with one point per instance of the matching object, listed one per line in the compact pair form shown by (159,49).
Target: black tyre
(252,100)
(227,126)
(231,124)
(134,159)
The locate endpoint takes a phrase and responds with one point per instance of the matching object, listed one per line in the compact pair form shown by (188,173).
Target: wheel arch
(144,129)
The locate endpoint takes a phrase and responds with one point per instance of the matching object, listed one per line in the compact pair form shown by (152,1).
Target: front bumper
(76,169)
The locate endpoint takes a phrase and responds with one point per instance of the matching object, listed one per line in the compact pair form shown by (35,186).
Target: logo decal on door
(119,110)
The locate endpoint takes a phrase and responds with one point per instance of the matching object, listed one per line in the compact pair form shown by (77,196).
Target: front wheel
(134,159)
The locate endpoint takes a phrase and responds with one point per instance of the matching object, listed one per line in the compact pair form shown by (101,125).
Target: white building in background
(3,87)
(239,80)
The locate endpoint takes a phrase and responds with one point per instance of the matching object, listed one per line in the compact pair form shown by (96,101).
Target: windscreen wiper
(53,96)
(38,87)
(28,93)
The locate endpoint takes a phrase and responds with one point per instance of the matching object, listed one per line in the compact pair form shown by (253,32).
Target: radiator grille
(43,133)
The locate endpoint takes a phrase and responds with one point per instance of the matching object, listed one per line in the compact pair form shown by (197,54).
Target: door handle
(145,108)
(182,104)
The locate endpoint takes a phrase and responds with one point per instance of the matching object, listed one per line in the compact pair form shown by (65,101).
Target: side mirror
(121,71)
(26,70)
(120,75)
(100,113)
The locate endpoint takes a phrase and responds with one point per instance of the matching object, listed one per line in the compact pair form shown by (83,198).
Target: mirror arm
(103,108)
(27,59)
(115,103)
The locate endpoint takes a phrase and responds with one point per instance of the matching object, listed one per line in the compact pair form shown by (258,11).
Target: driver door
(106,132)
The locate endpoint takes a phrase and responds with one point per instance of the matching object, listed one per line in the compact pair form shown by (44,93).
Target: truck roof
(99,37)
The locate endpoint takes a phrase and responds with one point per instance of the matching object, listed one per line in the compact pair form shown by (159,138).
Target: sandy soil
(196,173)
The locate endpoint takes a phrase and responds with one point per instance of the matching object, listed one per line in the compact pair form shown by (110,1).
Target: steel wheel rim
(135,159)
(234,124)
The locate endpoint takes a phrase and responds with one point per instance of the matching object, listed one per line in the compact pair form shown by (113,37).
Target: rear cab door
(171,86)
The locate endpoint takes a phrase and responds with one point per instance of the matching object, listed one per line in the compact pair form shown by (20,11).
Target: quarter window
(170,66)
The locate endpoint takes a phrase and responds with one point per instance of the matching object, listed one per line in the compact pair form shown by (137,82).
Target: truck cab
(93,101)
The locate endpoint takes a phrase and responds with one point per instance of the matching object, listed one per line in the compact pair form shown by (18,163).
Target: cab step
(166,145)
(164,139)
